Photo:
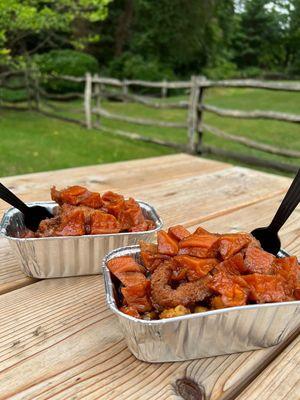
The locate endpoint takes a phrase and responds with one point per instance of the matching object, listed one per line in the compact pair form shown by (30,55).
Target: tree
(292,60)
(259,38)
(28,25)
(179,35)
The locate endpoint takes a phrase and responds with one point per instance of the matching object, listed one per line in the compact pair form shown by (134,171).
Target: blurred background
(59,108)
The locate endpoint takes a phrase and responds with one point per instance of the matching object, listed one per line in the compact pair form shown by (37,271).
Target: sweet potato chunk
(69,195)
(150,256)
(101,223)
(233,290)
(201,231)
(71,224)
(231,244)
(289,269)
(202,246)
(131,215)
(137,296)
(76,195)
(234,265)
(196,267)
(123,264)
(258,260)
(113,203)
(203,241)
(131,278)
(178,232)
(267,288)
(166,245)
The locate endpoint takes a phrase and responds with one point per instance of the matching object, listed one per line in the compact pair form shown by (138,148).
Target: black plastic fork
(268,236)
(32,215)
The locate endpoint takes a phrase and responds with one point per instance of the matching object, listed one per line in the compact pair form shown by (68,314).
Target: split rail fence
(97,88)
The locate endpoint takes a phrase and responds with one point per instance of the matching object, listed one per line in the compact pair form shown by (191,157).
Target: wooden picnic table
(58,339)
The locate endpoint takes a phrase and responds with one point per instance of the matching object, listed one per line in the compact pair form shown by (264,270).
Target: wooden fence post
(199,142)
(36,88)
(28,88)
(164,89)
(193,114)
(88,100)
(98,99)
(125,89)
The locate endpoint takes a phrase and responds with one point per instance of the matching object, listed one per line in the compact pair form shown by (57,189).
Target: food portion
(82,212)
(187,273)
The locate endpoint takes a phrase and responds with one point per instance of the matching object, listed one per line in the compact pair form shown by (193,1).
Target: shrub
(222,70)
(65,62)
(131,66)
(251,72)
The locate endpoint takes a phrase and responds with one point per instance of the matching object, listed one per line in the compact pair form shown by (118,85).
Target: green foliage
(65,62)
(223,69)
(26,24)
(259,39)
(292,61)
(165,39)
(132,66)
(251,72)
(181,36)
(212,37)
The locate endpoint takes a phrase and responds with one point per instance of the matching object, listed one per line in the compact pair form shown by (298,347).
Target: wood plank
(11,277)
(53,346)
(199,198)
(61,348)
(228,187)
(114,175)
(280,380)
(129,174)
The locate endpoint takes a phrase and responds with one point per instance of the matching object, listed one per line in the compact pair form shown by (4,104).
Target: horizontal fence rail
(256,114)
(139,121)
(252,83)
(96,90)
(251,143)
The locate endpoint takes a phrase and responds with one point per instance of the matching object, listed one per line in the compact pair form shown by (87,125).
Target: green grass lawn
(32,142)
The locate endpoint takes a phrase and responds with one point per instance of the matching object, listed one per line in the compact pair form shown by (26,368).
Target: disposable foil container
(53,257)
(199,335)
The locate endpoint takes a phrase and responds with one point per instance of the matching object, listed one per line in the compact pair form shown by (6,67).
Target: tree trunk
(122,31)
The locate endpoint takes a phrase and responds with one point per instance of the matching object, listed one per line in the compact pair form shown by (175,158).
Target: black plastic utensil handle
(12,199)
(288,204)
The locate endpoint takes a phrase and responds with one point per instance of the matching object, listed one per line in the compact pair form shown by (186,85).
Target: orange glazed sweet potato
(82,212)
(185,273)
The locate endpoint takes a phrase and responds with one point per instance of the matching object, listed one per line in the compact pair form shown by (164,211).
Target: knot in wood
(189,390)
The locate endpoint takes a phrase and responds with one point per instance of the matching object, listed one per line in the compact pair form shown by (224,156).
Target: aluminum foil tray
(212,333)
(69,255)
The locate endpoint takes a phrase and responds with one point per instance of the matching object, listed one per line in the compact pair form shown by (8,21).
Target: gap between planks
(228,197)
(93,360)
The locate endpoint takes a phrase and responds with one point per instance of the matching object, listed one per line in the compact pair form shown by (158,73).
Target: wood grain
(55,346)
(58,340)
(280,380)
(11,277)
(118,176)
(128,174)
(227,186)
(67,349)
(199,198)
